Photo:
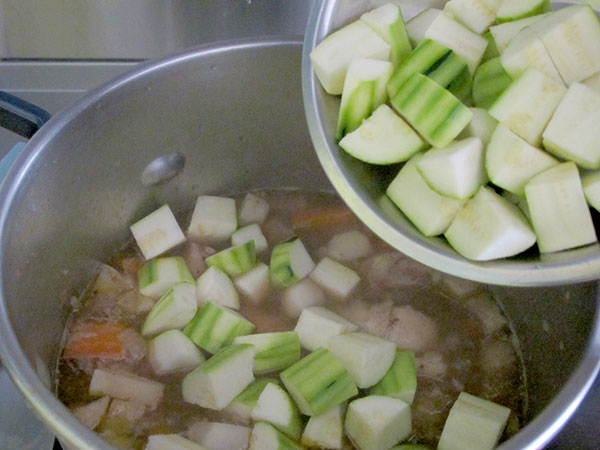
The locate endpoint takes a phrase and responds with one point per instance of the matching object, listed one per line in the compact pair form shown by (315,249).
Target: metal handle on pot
(20,116)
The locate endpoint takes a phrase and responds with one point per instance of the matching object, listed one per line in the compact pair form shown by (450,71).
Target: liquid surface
(460,337)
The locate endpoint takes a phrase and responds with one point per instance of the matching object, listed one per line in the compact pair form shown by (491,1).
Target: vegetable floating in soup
(280,322)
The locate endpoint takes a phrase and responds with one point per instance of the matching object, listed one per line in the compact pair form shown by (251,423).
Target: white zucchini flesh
(521,203)
(455,171)
(301,295)
(218,380)
(214,219)
(253,209)
(173,351)
(215,286)
(241,407)
(593,81)
(573,132)
(158,275)
(465,43)
(559,212)
(418,25)
(334,277)
(527,105)
(247,233)
(219,436)
(383,138)
(512,10)
(331,58)
(92,413)
(505,32)
(572,37)
(489,227)
(275,406)
(429,211)
(365,88)
(254,285)
(376,422)
(171,442)
(157,232)
(388,22)
(290,262)
(482,125)
(474,423)
(273,351)
(366,357)
(478,15)
(348,246)
(317,325)
(126,386)
(511,162)
(525,50)
(173,311)
(590,181)
(325,430)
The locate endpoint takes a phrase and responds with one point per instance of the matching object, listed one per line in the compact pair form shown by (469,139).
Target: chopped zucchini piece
(241,407)
(301,295)
(234,260)
(318,382)
(214,327)
(266,437)
(377,423)
(334,277)
(388,22)
(325,430)
(173,351)
(214,219)
(401,380)
(218,380)
(478,15)
(158,275)
(573,132)
(247,233)
(482,125)
(254,284)
(316,326)
(215,286)
(558,209)
(504,32)
(331,58)
(273,351)
(489,82)
(254,209)
(489,227)
(275,406)
(473,422)
(173,311)
(512,10)
(290,262)
(157,232)
(219,436)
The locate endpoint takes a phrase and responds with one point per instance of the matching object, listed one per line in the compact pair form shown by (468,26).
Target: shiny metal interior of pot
(235,112)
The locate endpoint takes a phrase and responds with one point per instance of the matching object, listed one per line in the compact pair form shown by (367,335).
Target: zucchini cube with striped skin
(318,382)
(446,116)
(234,260)
(401,380)
(157,232)
(214,327)
(387,21)
(265,436)
(158,275)
(241,406)
(489,82)
(290,262)
(173,311)
(273,351)
(475,421)
(478,15)
(377,423)
(218,380)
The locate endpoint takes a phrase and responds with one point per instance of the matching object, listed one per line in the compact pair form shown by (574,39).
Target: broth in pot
(123,378)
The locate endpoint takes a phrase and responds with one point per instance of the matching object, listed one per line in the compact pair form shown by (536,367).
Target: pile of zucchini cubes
(306,388)
(494,105)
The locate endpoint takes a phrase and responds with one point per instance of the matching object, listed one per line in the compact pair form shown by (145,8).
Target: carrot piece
(96,340)
(326,216)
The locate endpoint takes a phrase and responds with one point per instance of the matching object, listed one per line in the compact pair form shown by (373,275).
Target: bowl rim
(548,270)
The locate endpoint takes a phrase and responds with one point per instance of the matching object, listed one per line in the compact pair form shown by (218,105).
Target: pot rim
(39,397)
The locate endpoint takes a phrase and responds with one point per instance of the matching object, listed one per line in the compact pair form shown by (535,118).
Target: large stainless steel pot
(235,112)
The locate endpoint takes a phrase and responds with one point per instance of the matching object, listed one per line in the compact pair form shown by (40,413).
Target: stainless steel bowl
(235,112)
(362,186)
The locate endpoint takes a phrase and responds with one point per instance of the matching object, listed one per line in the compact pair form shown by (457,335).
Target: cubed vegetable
(317,325)
(157,232)
(158,275)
